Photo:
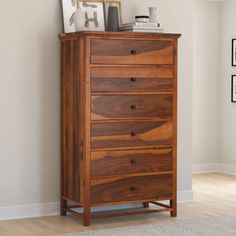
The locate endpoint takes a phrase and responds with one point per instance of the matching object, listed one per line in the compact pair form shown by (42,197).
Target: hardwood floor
(214,195)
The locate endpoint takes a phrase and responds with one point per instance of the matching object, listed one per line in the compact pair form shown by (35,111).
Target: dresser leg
(87,215)
(173,204)
(63,206)
(146,204)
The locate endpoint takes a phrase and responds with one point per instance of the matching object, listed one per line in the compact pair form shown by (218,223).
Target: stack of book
(142,27)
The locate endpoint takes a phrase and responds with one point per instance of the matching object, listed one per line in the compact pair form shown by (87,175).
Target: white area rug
(213,226)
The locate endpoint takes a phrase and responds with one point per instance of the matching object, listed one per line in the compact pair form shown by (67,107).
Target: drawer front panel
(131,79)
(142,52)
(131,106)
(132,134)
(132,188)
(131,162)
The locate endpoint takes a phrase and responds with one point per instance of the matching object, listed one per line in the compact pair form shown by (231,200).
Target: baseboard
(206,168)
(228,169)
(49,209)
(29,211)
(213,168)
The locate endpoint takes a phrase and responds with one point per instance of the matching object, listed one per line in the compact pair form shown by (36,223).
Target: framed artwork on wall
(83,15)
(233,52)
(94,14)
(69,8)
(233,88)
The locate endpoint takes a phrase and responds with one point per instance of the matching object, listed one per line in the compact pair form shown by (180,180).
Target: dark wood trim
(75,36)
(232,59)
(107,214)
(87,143)
(173,202)
(114,214)
(146,204)
(63,202)
(232,88)
(160,204)
(75,213)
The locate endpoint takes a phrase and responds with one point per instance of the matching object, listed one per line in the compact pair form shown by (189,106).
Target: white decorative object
(78,19)
(153,14)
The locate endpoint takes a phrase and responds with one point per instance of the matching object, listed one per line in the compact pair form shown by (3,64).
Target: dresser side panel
(70,125)
(175,130)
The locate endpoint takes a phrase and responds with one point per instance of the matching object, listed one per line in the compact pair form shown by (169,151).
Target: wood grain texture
(130,79)
(87,127)
(131,107)
(131,162)
(119,35)
(133,188)
(70,180)
(173,202)
(131,134)
(118,119)
(143,52)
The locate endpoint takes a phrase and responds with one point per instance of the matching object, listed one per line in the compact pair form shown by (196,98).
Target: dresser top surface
(123,35)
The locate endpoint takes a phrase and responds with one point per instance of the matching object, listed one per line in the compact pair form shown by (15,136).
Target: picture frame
(118,4)
(233,89)
(94,11)
(233,52)
(83,15)
(69,7)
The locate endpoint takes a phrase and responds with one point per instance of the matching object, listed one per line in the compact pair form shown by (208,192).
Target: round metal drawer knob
(133,188)
(133,107)
(133,134)
(133,79)
(133,161)
(133,52)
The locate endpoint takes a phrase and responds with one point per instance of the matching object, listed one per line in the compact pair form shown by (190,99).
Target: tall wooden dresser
(118,122)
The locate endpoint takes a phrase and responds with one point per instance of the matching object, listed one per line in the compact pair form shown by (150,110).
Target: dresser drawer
(131,162)
(131,79)
(132,134)
(131,107)
(109,190)
(142,52)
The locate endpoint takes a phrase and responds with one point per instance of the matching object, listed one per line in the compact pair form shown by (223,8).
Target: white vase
(153,14)
(79,20)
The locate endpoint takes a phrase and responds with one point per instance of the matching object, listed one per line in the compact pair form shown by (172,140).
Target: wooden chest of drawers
(118,121)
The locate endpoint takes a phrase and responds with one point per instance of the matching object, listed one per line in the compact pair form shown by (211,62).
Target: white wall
(206,82)
(29,102)
(29,99)
(176,16)
(227,109)
(214,129)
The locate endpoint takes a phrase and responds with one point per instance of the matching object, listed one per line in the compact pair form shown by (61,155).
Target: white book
(147,24)
(147,31)
(146,27)
(138,25)
(143,29)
